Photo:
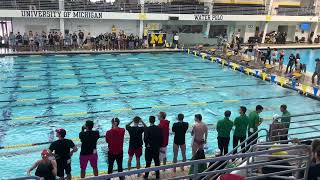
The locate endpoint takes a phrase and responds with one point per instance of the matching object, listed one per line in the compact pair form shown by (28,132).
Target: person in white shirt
(176,40)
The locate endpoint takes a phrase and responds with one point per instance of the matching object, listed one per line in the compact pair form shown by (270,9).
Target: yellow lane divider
(26,100)
(121,110)
(110,94)
(75,114)
(31,76)
(24,118)
(103,82)
(160,106)
(62,60)
(29,86)
(16,146)
(35,61)
(198,103)
(69,97)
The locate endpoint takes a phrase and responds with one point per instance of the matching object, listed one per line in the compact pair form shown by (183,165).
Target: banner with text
(208,17)
(60,14)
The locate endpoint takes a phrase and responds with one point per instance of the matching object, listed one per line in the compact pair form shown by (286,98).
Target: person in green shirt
(285,121)
(224,127)
(254,122)
(241,126)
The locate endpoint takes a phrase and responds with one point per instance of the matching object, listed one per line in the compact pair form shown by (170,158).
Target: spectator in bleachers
(179,129)
(115,139)
(224,127)
(314,169)
(88,152)
(135,142)
(153,141)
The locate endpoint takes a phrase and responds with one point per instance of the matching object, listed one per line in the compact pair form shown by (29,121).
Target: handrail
(203,161)
(240,151)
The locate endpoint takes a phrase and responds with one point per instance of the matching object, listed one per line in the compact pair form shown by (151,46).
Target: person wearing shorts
(135,142)
(179,129)
(88,152)
(199,133)
(61,149)
(164,126)
(115,139)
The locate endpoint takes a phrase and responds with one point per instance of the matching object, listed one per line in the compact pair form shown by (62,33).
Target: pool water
(307,56)
(41,93)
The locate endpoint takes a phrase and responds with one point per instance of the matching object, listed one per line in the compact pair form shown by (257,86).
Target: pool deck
(290,46)
(304,85)
(3,52)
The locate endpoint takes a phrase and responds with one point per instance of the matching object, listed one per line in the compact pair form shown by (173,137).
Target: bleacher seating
(239,10)
(295,11)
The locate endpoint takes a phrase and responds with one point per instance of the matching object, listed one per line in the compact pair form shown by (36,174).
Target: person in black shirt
(292,60)
(113,41)
(179,129)
(50,37)
(81,37)
(56,38)
(88,151)
(152,141)
(74,40)
(314,169)
(135,142)
(19,41)
(268,56)
(61,150)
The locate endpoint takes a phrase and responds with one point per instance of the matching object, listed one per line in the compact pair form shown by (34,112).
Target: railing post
(195,171)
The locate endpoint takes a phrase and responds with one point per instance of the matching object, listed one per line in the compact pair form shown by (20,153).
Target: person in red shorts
(114,139)
(135,142)
(164,126)
(88,152)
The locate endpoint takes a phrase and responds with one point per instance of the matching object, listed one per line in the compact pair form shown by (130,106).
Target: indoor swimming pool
(41,93)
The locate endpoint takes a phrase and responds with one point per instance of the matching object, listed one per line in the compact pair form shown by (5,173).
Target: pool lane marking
(131,93)
(87,59)
(231,100)
(55,76)
(121,81)
(75,114)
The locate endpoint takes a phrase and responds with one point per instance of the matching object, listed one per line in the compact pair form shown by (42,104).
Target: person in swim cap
(46,168)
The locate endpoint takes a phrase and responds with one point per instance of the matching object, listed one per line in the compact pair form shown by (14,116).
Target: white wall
(19,24)
(101,26)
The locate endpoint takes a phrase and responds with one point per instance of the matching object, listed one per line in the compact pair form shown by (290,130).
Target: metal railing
(255,137)
(251,167)
(306,124)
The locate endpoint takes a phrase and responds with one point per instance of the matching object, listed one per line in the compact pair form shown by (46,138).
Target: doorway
(5,28)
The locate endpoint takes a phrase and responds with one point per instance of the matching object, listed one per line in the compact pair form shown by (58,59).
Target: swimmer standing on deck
(199,133)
